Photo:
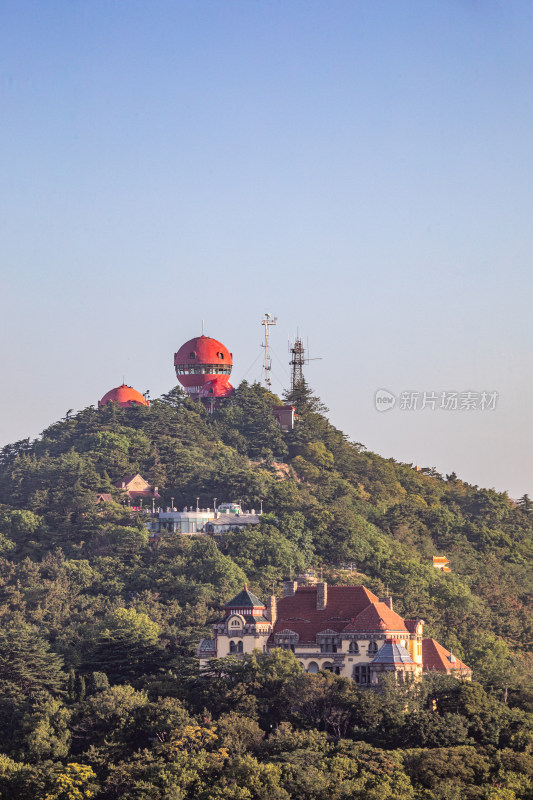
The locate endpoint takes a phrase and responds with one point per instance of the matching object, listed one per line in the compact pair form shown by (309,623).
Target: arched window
(372,648)
(354,648)
(239,647)
(235,623)
(192,355)
(233,647)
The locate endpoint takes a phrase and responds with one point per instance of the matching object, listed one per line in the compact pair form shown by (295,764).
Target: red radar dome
(201,361)
(124,396)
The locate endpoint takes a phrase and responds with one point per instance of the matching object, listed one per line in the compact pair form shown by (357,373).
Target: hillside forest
(100,692)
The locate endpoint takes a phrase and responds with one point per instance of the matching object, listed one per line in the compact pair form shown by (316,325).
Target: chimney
(321,595)
(387,601)
(289,588)
(272,610)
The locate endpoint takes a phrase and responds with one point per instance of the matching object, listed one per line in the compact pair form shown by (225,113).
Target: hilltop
(83,590)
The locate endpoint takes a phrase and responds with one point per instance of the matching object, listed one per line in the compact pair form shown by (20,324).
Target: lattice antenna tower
(297,362)
(298,359)
(268,322)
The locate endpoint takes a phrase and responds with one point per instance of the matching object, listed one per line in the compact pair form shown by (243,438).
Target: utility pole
(267,322)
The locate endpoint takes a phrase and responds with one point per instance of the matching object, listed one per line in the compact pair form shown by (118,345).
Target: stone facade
(345,629)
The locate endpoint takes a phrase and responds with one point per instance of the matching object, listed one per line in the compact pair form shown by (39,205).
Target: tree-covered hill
(94,617)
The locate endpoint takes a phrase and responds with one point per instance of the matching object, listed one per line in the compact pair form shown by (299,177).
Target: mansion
(345,629)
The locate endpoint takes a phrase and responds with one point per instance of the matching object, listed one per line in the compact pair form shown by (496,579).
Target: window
(235,623)
(372,648)
(286,644)
(192,355)
(220,355)
(232,647)
(239,647)
(354,648)
(328,644)
(361,674)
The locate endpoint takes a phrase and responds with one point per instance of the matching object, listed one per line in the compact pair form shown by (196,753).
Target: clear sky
(362,169)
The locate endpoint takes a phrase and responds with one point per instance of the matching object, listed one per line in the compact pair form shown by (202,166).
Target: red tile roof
(375,617)
(435,656)
(104,497)
(299,613)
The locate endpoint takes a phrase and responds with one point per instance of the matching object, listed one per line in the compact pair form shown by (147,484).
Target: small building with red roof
(441,562)
(345,629)
(124,396)
(135,487)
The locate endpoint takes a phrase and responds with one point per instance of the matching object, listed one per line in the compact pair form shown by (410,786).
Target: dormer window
(286,639)
(328,641)
(192,355)
(221,356)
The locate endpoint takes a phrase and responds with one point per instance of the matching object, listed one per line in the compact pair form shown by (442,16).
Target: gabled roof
(127,479)
(393,653)
(104,497)
(435,656)
(377,617)
(207,646)
(299,612)
(245,599)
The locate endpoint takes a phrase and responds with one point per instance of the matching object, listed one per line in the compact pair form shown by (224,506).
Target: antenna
(267,322)
(203,332)
(297,361)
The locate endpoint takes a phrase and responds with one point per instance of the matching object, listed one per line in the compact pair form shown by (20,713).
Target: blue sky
(362,170)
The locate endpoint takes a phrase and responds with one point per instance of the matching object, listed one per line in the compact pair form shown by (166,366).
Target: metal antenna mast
(267,322)
(297,362)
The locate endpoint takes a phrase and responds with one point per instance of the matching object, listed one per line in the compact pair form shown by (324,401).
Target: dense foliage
(99,690)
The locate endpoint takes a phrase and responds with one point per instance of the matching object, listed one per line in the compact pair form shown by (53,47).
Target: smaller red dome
(124,396)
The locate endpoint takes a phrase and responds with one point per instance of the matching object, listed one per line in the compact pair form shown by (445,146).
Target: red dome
(201,360)
(124,396)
